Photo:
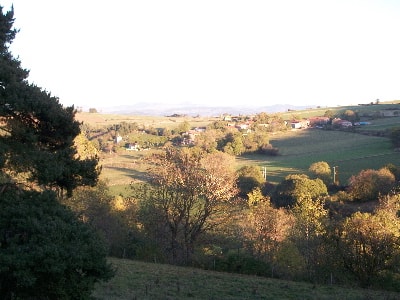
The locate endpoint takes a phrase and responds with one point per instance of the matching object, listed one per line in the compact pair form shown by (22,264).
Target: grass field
(350,152)
(139,280)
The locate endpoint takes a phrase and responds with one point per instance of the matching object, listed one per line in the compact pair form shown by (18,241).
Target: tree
(308,231)
(207,140)
(297,186)
(329,113)
(249,178)
(265,228)
(321,170)
(368,243)
(45,251)
(95,206)
(36,132)
(183,127)
(369,184)
(191,191)
(351,116)
(235,146)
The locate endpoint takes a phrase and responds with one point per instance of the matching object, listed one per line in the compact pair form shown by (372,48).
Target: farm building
(118,139)
(297,124)
(132,146)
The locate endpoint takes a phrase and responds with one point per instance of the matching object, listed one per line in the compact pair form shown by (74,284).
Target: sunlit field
(350,152)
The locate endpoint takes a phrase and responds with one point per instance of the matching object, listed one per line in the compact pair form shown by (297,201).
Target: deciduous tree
(297,186)
(249,178)
(369,184)
(308,231)
(192,192)
(265,228)
(321,170)
(368,244)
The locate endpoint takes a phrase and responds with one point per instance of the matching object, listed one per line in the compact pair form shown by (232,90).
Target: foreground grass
(139,280)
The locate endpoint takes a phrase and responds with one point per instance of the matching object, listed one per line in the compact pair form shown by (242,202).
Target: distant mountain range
(164,109)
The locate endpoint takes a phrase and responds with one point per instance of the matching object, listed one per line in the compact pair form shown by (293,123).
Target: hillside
(139,280)
(351,152)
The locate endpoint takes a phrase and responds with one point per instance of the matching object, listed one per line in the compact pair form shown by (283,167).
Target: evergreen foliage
(45,251)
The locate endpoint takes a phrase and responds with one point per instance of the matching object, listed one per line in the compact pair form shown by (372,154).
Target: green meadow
(350,152)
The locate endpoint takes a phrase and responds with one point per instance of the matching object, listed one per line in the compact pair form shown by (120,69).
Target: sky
(99,53)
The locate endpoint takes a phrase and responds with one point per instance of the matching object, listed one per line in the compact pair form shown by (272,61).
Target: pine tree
(45,251)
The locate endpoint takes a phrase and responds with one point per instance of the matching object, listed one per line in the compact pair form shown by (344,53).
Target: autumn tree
(321,170)
(369,184)
(265,228)
(207,141)
(368,244)
(231,143)
(183,127)
(249,178)
(191,192)
(308,231)
(297,186)
(351,116)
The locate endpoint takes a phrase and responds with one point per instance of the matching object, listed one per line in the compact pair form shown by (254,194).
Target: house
(297,124)
(118,139)
(227,118)
(132,146)
(243,126)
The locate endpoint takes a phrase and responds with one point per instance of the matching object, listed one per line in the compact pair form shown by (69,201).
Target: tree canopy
(45,251)
(191,193)
(36,132)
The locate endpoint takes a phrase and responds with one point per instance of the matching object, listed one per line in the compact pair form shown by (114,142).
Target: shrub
(369,184)
(269,150)
(46,253)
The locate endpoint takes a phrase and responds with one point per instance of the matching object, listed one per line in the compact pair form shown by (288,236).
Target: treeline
(196,210)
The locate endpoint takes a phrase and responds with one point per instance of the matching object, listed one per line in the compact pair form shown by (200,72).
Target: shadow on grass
(128,172)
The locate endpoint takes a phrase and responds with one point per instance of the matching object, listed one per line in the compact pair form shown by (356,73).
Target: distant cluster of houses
(189,137)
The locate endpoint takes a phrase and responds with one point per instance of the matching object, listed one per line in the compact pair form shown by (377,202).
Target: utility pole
(336,175)
(264,172)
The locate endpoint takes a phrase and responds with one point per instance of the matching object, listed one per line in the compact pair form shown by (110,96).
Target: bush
(46,253)
(269,150)
(369,184)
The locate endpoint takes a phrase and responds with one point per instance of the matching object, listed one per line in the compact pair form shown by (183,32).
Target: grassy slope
(139,280)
